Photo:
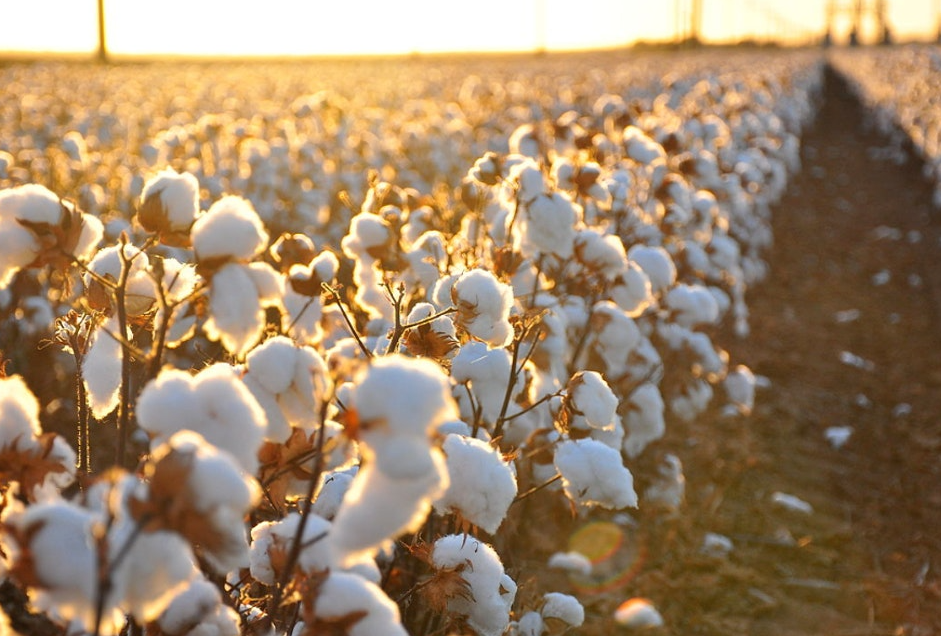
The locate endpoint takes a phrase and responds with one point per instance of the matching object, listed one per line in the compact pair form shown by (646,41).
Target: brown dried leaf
(447,584)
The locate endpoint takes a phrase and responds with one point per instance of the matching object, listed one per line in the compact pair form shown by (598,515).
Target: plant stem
(124,404)
(349,323)
(535,489)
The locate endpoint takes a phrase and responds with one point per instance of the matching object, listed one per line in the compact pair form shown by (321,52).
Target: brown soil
(866,560)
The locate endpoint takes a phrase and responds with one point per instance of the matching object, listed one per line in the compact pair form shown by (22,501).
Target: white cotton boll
(345,594)
(331,490)
(169,201)
(157,566)
(488,371)
(141,292)
(691,306)
(657,264)
(527,174)
(236,314)
(644,419)
(563,607)
(368,237)
(590,397)
(574,562)
(302,316)
(632,291)
(483,307)
(403,395)
(602,253)
(593,474)
(272,364)
(530,624)
(488,609)
(547,225)
(614,334)
(230,229)
(668,490)
(199,611)
(739,386)
(638,613)
(214,403)
(271,540)
(377,508)
(63,563)
(18,248)
(101,369)
(641,148)
(483,484)
(30,202)
(370,294)
(19,415)
(692,400)
(268,283)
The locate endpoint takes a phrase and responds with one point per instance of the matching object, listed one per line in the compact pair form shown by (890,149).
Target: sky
(315,27)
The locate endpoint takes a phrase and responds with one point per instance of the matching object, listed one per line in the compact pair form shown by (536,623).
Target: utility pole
(695,22)
(102,48)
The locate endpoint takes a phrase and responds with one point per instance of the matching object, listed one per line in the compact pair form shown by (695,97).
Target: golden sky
(273,27)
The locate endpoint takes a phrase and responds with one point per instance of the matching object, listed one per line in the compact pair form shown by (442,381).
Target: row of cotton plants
(900,85)
(339,429)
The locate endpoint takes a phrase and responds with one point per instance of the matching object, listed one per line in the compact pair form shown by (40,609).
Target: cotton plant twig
(124,410)
(346,318)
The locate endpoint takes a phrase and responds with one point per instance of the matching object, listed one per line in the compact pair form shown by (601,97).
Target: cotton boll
(271,540)
(668,490)
(657,264)
(230,229)
(691,306)
(483,307)
(488,371)
(331,490)
(343,595)
(101,368)
(236,308)
(614,336)
(214,403)
(530,624)
(198,610)
(19,414)
(574,562)
(169,204)
(589,399)
(547,225)
(644,419)
(487,608)
(593,474)
(632,291)
(739,386)
(638,613)
(368,239)
(563,607)
(377,508)
(482,483)
(604,254)
(693,399)
(641,148)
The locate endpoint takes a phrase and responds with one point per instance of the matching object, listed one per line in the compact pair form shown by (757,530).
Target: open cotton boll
(409,396)
(343,595)
(593,474)
(492,592)
(271,541)
(331,490)
(644,419)
(563,607)
(230,229)
(693,399)
(574,562)
(238,296)
(668,490)
(638,613)
(198,610)
(377,508)
(488,371)
(17,248)
(691,306)
(528,176)
(215,403)
(101,368)
(657,264)
(483,307)
(641,148)
(614,335)
(140,291)
(632,291)
(547,225)
(739,386)
(19,415)
(59,561)
(483,484)
(590,400)
(530,624)
(601,253)
(368,238)
(169,203)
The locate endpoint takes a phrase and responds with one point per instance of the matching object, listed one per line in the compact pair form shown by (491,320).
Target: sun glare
(300,27)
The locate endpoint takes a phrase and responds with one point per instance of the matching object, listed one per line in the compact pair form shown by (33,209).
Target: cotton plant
(169,204)
(37,228)
(226,240)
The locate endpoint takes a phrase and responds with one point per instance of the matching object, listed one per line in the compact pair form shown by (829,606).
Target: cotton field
(900,87)
(316,338)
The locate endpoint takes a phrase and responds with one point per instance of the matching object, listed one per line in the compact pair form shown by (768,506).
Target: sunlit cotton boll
(604,254)
(614,336)
(343,595)
(101,368)
(483,484)
(632,291)
(483,307)
(591,401)
(169,204)
(214,403)
(691,306)
(563,607)
(638,613)
(289,382)
(238,296)
(657,264)
(492,592)
(487,371)
(644,419)
(199,611)
(546,225)
(593,474)
(230,229)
